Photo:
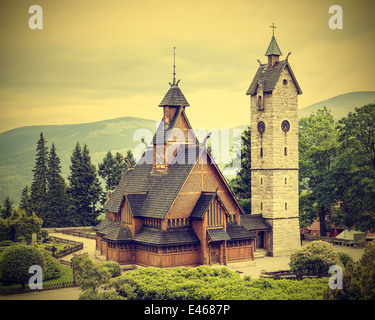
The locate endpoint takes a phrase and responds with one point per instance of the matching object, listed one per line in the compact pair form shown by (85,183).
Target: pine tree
(39,184)
(57,215)
(113,168)
(7,208)
(84,189)
(25,202)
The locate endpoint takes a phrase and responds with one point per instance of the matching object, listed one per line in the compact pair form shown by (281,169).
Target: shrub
(313,259)
(113,268)
(6,243)
(53,269)
(15,264)
(344,258)
(358,279)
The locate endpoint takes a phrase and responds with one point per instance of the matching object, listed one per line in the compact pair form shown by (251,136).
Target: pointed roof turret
(273,48)
(174,97)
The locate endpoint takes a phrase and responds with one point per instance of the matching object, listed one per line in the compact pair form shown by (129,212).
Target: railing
(285,274)
(64,252)
(79,233)
(52,286)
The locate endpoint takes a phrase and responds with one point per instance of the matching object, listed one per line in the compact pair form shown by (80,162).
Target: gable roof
(174,98)
(151,194)
(238,232)
(267,77)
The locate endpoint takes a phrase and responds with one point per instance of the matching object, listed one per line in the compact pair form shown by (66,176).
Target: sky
(103,59)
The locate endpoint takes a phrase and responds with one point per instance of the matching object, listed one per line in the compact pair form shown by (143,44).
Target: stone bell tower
(274,150)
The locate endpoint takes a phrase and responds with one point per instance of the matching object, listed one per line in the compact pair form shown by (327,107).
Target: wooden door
(215,252)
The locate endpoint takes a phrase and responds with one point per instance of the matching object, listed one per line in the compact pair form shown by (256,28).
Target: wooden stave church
(175,208)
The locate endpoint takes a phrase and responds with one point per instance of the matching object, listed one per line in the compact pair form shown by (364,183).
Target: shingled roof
(171,236)
(174,97)
(273,48)
(254,222)
(151,194)
(218,234)
(113,231)
(267,77)
(202,205)
(238,232)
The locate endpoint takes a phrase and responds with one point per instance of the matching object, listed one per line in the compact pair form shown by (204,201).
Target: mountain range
(17,155)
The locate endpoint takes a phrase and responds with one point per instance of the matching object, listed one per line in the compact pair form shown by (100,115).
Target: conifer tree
(57,215)
(7,208)
(39,184)
(84,189)
(25,202)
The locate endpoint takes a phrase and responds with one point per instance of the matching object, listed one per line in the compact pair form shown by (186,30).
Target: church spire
(273,51)
(174,83)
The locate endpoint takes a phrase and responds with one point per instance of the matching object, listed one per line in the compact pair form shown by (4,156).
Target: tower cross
(174,65)
(273,29)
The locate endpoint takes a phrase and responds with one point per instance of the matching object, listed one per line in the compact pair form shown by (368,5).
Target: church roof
(113,231)
(238,232)
(218,234)
(273,48)
(174,97)
(254,222)
(151,194)
(171,236)
(267,77)
(202,205)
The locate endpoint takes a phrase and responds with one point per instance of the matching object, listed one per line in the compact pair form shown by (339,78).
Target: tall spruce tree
(25,201)
(39,184)
(57,213)
(84,189)
(113,168)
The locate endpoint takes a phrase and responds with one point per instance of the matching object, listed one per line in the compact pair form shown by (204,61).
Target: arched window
(285,151)
(260,102)
(261,152)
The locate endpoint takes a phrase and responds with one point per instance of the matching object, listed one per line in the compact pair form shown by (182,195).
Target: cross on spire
(273,29)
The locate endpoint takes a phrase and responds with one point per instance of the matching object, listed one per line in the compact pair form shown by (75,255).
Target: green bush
(53,269)
(358,279)
(206,283)
(113,268)
(16,261)
(313,259)
(344,258)
(6,243)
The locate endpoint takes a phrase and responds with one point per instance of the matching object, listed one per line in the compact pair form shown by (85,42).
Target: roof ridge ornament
(174,83)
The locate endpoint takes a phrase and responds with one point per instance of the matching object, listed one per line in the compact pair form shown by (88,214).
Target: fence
(284,274)
(52,286)
(64,252)
(79,233)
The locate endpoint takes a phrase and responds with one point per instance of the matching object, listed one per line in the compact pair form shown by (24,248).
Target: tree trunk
(322,221)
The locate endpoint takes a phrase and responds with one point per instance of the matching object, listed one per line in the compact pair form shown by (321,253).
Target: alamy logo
(335,282)
(36,281)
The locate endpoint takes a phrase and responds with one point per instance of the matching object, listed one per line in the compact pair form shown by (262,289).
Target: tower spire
(174,83)
(174,66)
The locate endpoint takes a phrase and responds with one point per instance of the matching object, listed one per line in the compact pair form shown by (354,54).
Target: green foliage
(206,283)
(92,276)
(344,258)
(16,261)
(4,229)
(6,243)
(84,188)
(358,279)
(39,184)
(53,269)
(242,182)
(313,259)
(6,208)
(24,226)
(355,169)
(318,144)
